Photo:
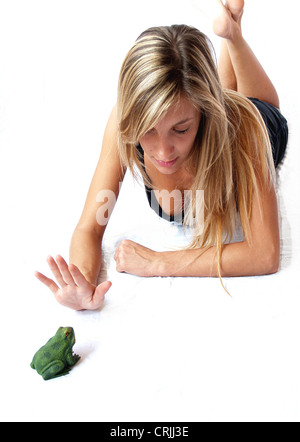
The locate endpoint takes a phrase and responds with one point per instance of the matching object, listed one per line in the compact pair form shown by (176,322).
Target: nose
(163,148)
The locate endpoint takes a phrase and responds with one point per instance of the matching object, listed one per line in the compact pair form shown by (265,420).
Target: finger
(55,270)
(78,277)
(64,270)
(99,294)
(47,281)
(105,286)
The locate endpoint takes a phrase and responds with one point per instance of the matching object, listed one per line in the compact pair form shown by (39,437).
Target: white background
(59,65)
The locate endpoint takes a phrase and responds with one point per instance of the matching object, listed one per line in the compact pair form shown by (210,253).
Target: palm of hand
(72,289)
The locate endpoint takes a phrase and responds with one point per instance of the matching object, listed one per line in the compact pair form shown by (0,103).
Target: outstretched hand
(72,289)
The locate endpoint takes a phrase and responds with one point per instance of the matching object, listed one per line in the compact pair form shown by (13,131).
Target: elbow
(270,261)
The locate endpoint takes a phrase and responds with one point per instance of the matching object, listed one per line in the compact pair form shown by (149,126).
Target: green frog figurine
(56,358)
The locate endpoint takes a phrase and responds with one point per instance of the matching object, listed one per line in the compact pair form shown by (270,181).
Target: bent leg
(239,69)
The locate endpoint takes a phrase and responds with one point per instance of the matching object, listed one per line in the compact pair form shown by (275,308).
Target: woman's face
(168,144)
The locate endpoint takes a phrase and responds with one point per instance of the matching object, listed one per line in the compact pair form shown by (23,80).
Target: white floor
(162,349)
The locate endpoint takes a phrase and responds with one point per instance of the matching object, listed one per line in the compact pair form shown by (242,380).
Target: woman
(186,126)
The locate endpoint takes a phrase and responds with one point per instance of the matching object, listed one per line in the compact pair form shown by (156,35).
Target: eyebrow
(184,121)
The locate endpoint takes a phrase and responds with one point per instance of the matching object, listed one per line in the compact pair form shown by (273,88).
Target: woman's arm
(85,248)
(258,257)
(75,285)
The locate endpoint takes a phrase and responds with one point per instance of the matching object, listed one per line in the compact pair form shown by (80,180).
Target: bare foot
(236,7)
(228,18)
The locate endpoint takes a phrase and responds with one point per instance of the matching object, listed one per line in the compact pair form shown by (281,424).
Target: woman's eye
(181,131)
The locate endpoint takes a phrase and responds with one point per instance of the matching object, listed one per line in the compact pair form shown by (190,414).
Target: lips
(166,163)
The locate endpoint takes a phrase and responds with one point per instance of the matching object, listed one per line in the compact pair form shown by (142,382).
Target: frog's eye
(67,334)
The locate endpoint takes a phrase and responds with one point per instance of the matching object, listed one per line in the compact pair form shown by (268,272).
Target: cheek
(146,144)
(192,140)
(186,145)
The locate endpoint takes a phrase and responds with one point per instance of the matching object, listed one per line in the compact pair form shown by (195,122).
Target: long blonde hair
(232,147)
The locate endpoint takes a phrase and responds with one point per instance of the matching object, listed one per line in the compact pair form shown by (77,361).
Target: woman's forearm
(85,253)
(238,259)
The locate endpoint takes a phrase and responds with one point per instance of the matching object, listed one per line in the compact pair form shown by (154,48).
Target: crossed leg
(239,69)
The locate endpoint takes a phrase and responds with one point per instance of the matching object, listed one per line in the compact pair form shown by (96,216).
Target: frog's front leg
(72,359)
(52,370)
